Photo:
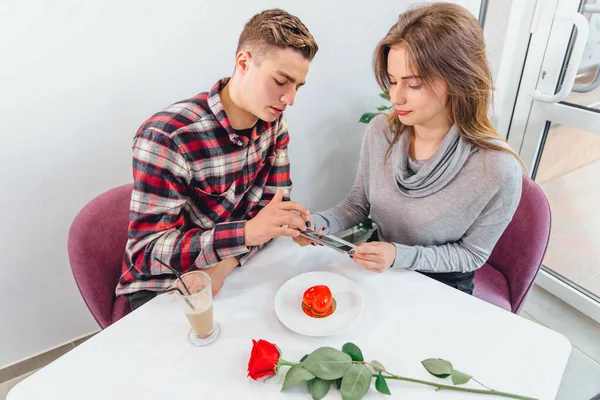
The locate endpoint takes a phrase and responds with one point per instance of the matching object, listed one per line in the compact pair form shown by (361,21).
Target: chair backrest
(96,245)
(520,250)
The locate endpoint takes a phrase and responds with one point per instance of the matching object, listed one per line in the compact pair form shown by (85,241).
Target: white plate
(288,304)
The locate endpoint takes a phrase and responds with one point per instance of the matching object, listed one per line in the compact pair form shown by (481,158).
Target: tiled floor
(581,380)
(574,249)
(566,150)
(568,174)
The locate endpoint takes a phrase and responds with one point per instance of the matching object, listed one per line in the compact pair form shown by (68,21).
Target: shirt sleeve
(474,248)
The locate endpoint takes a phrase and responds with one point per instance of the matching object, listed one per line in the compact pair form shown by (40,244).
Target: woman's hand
(374,256)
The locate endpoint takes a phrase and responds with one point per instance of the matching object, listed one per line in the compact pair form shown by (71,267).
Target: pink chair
(507,276)
(96,247)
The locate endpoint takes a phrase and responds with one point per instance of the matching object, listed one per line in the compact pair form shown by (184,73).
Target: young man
(211,173)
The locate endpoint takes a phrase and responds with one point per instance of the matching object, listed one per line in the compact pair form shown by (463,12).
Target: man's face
(270,83)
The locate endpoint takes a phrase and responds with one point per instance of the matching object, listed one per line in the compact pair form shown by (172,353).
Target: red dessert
(318,302)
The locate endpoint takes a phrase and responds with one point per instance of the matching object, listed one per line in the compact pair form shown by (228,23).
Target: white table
(407,317)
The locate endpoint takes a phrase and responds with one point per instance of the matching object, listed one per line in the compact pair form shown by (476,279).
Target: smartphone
(330,241)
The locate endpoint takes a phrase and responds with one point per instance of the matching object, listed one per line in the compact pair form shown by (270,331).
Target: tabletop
(406,317)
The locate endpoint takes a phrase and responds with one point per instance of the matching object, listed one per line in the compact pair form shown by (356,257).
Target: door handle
(583,30)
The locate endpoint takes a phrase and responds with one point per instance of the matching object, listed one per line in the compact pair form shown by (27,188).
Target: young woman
(439,181)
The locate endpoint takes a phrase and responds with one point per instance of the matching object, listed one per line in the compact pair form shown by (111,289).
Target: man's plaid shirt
(195,183)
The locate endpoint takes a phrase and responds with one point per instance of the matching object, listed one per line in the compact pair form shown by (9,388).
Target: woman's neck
(425,139)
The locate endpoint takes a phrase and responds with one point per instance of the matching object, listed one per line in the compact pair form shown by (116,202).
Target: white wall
(77,78)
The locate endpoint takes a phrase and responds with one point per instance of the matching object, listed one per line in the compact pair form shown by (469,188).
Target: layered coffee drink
(201,318)
(194,289)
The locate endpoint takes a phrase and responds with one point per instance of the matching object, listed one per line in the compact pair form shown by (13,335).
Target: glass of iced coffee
(198,307)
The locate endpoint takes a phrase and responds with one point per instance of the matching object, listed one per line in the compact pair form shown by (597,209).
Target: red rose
(264,359)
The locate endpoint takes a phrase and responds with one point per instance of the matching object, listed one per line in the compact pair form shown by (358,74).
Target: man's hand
(276,219)
(302,241)
(374,256)
(217,273)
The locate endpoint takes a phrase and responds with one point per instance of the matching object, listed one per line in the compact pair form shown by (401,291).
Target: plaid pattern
(195,183)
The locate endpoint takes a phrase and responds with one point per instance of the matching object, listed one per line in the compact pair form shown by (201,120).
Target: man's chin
(267,116)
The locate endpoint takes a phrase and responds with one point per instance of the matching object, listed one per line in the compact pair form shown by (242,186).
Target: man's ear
(242,61)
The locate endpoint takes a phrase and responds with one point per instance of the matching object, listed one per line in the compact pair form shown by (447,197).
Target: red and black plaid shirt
(195,183)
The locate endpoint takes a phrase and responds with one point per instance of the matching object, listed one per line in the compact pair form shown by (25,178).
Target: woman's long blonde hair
(444,40)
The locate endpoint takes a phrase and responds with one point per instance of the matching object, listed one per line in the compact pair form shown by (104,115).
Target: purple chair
(96,246)
(507,276)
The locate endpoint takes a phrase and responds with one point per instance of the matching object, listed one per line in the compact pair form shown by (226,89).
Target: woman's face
(415,103)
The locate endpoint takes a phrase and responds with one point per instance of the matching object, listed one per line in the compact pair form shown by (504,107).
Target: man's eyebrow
(289,77)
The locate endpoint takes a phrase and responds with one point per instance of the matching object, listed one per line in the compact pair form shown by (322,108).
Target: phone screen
(328,240)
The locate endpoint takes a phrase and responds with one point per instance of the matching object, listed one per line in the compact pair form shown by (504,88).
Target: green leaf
(367,117)
(381,385)
(304,358)
(319,388)
(353,351)
(382,107)
(438,367)
(338,383)
(356,382)
(368,223)
(295,375)
(378,366)
(327,363)
(460,378)
(384,96)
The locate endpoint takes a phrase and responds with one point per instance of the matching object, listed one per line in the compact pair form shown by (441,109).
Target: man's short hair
(277,29)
